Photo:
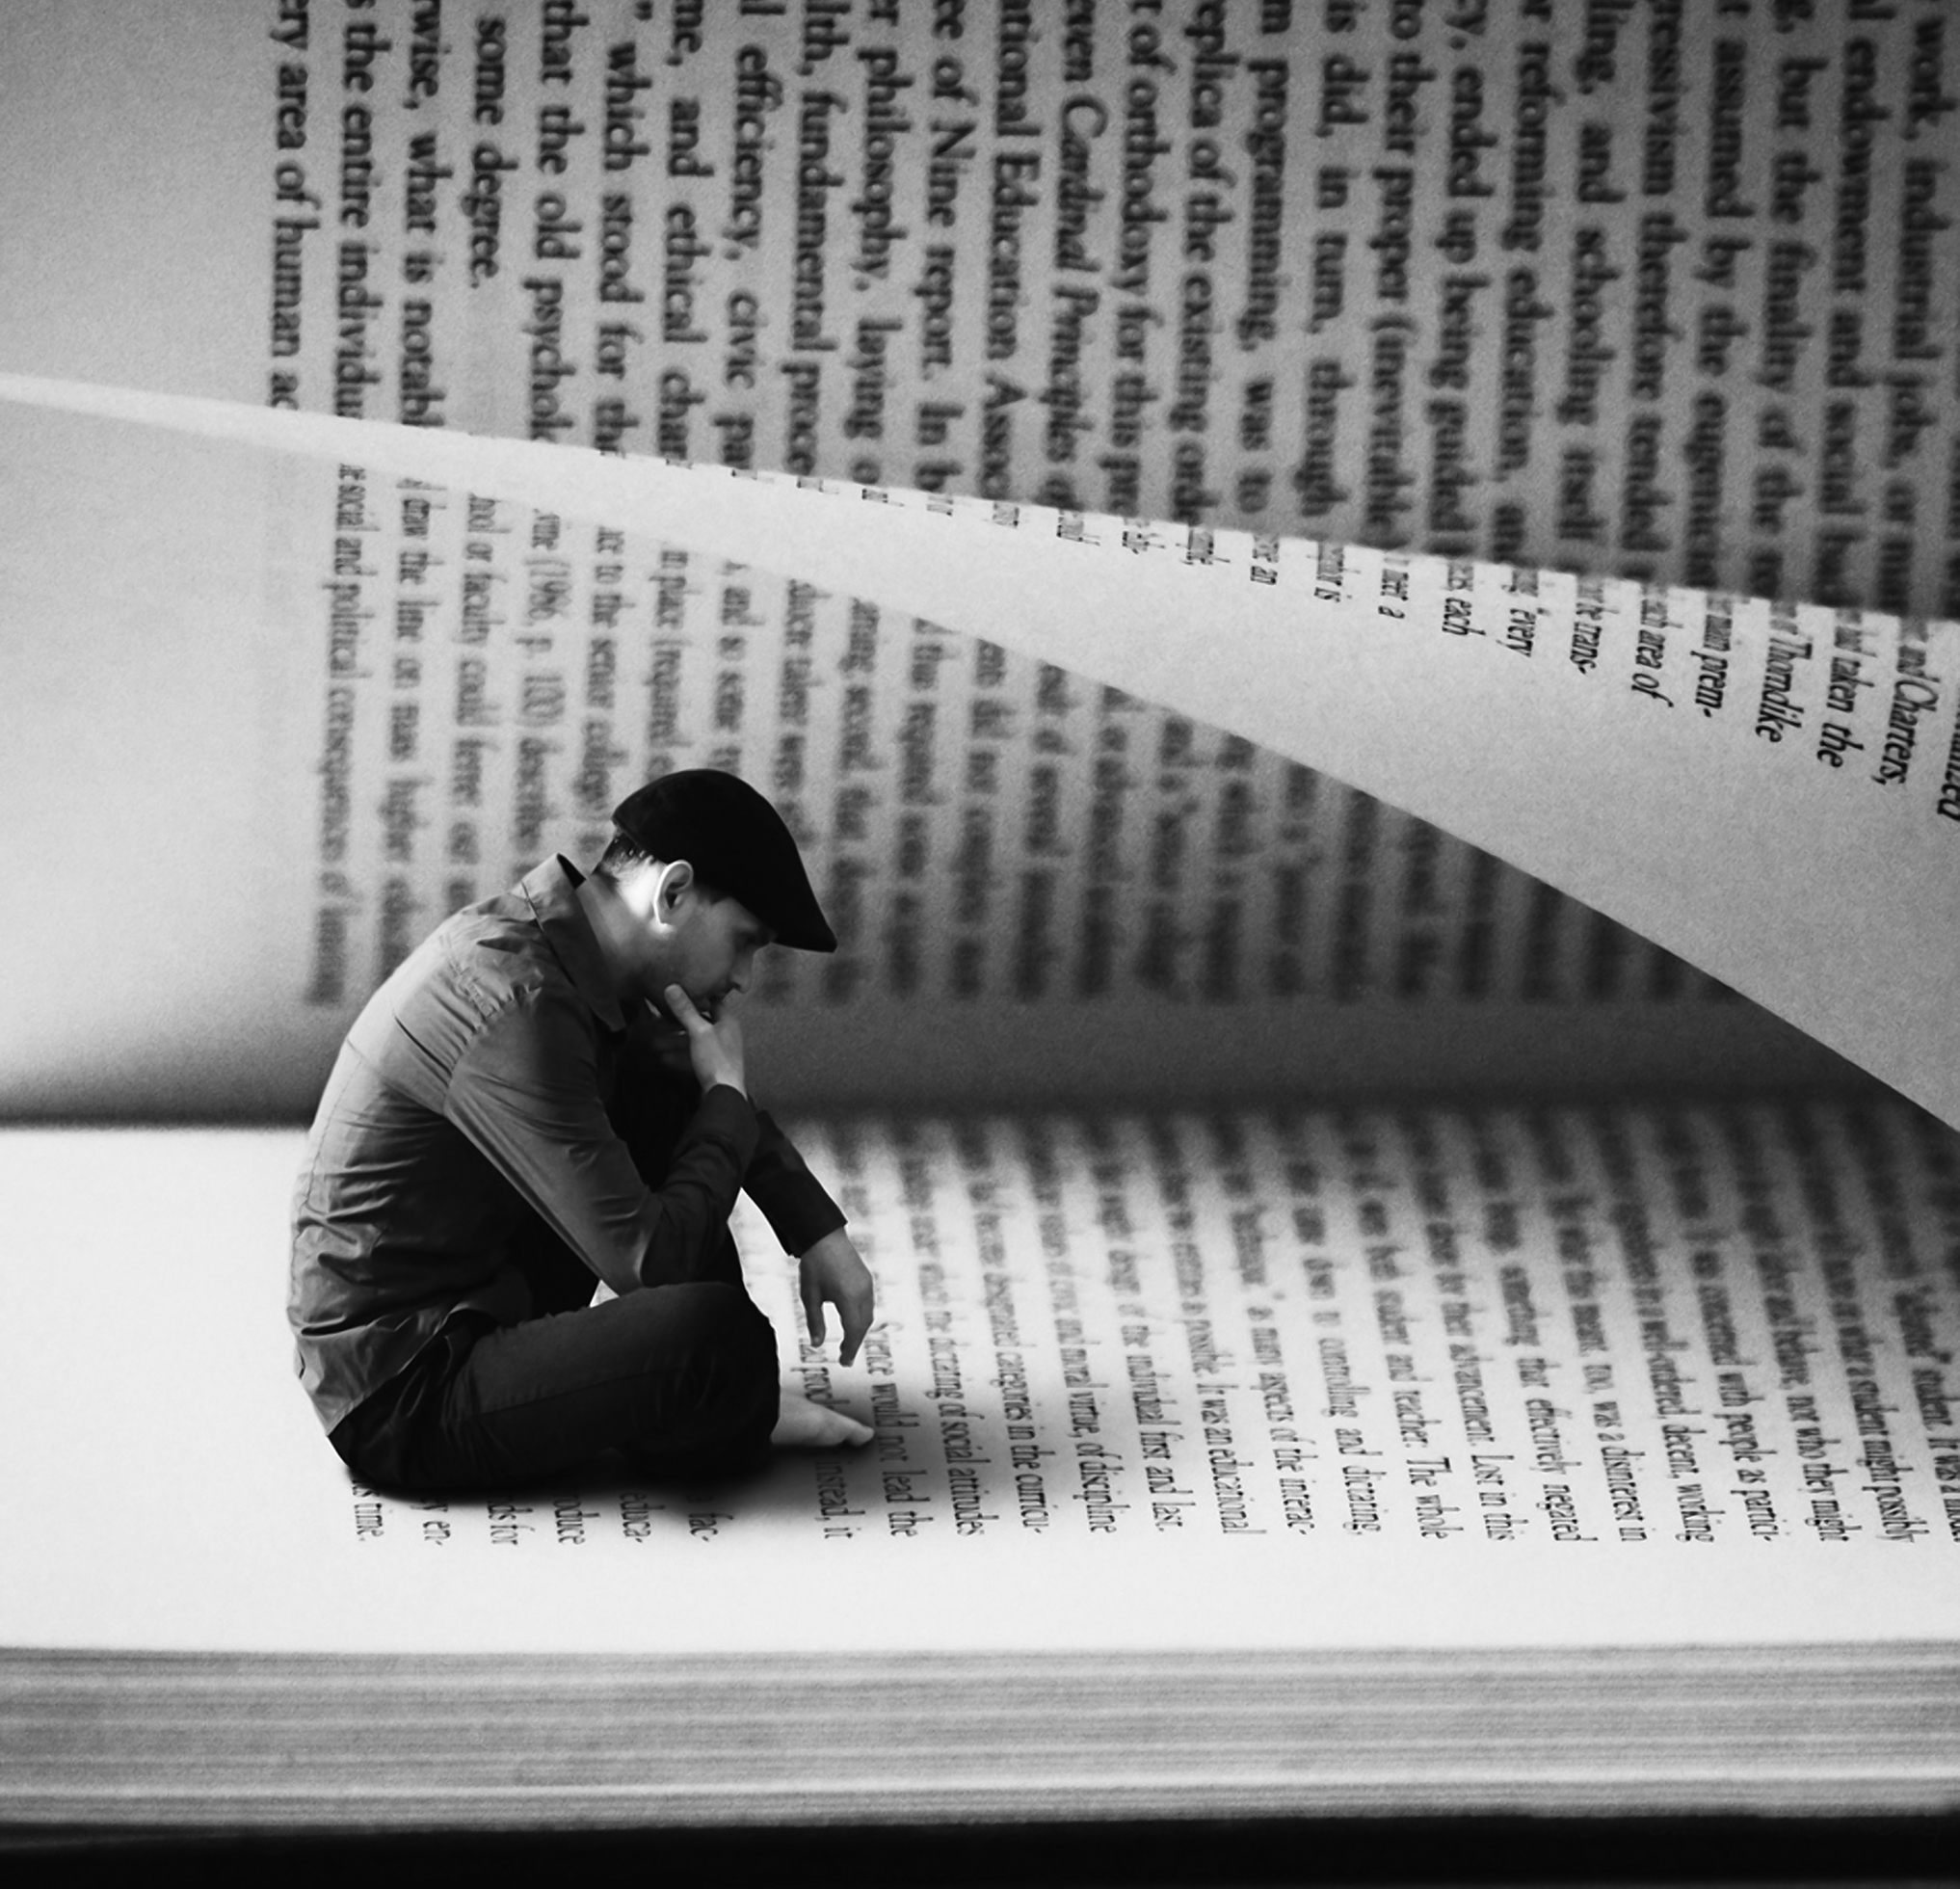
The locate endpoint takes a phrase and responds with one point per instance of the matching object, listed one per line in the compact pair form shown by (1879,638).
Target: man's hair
(622,859)
(625,857)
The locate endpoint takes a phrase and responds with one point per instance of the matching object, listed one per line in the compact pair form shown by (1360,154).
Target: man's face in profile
(708,943)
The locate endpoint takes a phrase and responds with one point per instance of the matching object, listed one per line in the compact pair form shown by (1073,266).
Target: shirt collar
(552,889)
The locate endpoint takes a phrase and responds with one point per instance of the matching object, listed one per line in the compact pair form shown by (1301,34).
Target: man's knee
(724,1348)
(723,1392)
(722,1319)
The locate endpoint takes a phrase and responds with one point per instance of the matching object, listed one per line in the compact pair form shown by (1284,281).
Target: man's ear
(675,882)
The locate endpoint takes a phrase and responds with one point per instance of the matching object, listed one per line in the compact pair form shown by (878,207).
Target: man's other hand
(831,1273)
(715,1048)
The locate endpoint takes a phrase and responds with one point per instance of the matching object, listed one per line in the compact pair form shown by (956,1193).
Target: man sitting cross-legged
(549,1094)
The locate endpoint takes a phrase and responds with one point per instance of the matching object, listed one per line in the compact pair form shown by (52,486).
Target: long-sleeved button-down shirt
(474,1097)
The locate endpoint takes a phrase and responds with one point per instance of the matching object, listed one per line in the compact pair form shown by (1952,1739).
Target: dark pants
(681,1378)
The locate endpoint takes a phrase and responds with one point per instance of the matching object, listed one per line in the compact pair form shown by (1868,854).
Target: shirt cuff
(725,1114)
(806,1239)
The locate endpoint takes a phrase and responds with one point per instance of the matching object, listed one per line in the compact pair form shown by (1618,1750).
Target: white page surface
(194,1505)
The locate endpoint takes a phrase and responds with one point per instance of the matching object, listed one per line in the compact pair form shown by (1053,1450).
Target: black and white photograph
(982,940)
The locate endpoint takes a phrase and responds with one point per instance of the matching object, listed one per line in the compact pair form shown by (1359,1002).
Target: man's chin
(709,1008)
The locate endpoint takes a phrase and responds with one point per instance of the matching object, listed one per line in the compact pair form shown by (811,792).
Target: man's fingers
(856,1314)
(813,1306)
(681,1006)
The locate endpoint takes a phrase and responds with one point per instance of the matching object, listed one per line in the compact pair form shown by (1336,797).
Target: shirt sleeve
(526,1093)
(792,1200)
(658,1085)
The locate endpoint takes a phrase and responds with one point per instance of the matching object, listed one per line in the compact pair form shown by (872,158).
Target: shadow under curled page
(1361,1329)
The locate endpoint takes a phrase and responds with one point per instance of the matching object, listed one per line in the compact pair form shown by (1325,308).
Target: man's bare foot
(801,1424)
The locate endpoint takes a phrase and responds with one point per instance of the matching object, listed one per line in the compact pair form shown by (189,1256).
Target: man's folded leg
(681,1378)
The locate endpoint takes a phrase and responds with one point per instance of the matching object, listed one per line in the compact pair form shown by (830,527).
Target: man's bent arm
(793,1201)
(800,1213)
(526,1093)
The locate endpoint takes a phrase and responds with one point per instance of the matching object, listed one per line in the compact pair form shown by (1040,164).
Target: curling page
(405,675)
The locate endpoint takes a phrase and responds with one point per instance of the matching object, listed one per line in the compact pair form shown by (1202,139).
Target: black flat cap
(736,843)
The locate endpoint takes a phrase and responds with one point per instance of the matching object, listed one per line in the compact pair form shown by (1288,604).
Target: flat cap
(736,843)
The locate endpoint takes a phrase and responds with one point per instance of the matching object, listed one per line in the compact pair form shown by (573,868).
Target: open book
(1402,1105)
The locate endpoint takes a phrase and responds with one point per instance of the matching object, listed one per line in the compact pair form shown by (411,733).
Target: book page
(1678,761)
(1652,295)
(1380,1378)
(1540,288)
